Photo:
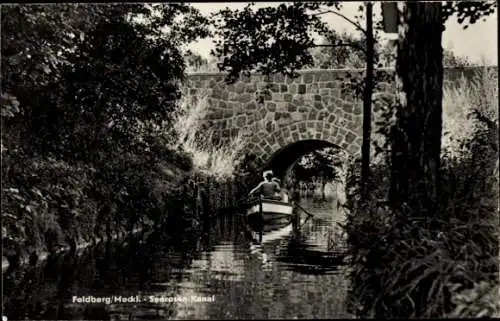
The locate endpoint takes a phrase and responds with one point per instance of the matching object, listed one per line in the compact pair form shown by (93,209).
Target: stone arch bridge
(293,116)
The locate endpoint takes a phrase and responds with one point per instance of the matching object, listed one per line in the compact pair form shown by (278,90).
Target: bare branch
(357,25)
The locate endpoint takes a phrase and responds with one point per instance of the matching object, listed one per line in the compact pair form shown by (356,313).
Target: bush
(403,265)
(44,204)
(48,203)
(87,149)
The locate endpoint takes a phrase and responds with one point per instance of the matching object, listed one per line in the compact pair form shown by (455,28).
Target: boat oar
(243,202)
(304,210)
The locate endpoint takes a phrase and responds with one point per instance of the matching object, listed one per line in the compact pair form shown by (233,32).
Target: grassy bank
(212,155)
(88,147)
(447,265)
(51,204)
(219,165)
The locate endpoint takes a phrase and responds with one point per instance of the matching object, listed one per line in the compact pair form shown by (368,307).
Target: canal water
(217,274)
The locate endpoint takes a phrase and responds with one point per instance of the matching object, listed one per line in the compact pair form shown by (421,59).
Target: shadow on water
(288,275)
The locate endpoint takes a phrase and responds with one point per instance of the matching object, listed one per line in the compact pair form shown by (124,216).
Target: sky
(477,42)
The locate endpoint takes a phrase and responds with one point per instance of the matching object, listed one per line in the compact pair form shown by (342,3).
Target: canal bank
(36,229)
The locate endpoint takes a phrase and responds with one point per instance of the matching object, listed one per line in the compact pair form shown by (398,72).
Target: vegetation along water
(115,184)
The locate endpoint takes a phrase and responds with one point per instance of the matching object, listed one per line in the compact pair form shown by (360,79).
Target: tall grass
(215,159)
(470,159)
(476,95)
(445,265)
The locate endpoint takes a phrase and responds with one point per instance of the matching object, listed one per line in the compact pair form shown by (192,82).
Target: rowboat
(267,212)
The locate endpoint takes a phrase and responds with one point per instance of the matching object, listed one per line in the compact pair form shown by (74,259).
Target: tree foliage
(270,39)
(267,41)
(385,54)
(91,73)
(468,12)
(322,164)
(326,57)
(120,77)
(281,39)
(88,94)
(195,62)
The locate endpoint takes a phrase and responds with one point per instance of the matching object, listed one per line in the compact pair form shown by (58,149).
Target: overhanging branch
(358,26)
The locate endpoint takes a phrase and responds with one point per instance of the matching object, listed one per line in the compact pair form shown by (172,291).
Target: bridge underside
(282,159)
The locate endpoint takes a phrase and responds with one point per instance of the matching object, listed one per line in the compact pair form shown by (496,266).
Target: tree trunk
(367,101)
(416,136)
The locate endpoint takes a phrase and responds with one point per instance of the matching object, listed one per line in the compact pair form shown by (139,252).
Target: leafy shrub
(44,204)
(48,203)
(403,265)
(87,151)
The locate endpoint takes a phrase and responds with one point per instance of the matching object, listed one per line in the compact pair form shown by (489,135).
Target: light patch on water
(289,275)
(221,263)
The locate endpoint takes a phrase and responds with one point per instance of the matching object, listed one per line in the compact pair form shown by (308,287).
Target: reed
(477,95)
(446,265)
(215,159)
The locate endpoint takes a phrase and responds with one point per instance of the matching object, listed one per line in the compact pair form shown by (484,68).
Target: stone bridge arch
(279,149)
(284,158)
(319,105)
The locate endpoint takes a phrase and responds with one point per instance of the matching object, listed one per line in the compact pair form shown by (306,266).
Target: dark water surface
(218,275)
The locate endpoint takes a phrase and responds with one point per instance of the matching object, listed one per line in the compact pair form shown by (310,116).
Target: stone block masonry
(318,105)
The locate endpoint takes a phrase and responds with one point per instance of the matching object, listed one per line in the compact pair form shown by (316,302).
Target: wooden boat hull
(269,212)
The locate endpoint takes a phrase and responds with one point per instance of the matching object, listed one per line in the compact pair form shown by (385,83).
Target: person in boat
(267,188)
(283,193)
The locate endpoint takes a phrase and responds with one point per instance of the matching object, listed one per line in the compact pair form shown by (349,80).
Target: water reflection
(288,275)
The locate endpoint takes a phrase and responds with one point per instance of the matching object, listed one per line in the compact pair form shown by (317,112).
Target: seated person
(267,188)
(283,193)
